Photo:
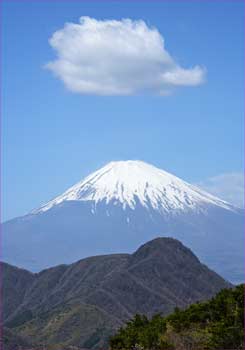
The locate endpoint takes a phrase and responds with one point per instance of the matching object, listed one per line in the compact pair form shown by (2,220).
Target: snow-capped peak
(130,182)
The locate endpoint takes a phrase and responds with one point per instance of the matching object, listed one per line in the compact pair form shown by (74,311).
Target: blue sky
(52,137)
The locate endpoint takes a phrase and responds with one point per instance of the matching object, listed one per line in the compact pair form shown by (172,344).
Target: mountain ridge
(160,275)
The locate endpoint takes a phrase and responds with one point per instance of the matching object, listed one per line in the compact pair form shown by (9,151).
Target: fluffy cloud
(117,58)
(229,187)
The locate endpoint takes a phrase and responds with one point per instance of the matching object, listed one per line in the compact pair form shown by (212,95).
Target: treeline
(215,324)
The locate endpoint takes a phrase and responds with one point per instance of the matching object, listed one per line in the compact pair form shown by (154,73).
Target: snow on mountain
(131,182)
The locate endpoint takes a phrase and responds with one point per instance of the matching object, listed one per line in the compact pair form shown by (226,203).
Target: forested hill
(84,303)
(214,324)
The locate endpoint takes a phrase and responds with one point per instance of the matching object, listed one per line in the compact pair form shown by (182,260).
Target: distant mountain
(119,207)
(83,303)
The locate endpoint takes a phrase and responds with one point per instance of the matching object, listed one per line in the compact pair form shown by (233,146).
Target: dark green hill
(82,304)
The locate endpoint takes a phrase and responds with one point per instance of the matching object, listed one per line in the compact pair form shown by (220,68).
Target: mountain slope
(16,282)
(119,207)
(131,182)
(83,303)
(11,341)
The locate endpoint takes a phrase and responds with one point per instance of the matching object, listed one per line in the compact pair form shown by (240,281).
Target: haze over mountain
(83,303)
(117,208)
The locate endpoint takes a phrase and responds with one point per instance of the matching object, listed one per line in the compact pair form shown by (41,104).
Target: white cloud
(117,58)
(229,187)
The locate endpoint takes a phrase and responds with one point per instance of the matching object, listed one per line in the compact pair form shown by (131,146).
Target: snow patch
(129,183)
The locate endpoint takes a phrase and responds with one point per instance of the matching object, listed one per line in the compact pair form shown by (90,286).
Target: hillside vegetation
(214,324)
(84,303)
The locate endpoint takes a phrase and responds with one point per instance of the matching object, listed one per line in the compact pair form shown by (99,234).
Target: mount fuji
(119,207)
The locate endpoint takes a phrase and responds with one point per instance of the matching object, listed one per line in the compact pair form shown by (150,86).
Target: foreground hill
(118,208)
(84,303)
(215,324)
